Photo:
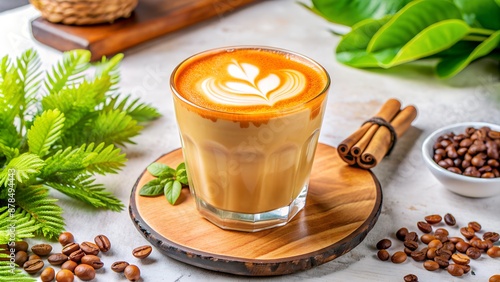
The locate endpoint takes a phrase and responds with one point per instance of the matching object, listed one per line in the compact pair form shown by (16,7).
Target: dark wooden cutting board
(150,19)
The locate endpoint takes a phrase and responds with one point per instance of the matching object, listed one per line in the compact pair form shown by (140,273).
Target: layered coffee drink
(249,119)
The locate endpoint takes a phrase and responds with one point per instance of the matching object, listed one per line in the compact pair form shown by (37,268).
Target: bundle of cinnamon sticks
(374,139)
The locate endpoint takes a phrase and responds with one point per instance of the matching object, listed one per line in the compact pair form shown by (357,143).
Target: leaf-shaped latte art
(242,87)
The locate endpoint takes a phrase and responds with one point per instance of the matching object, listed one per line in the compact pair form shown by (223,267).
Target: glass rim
(242,47)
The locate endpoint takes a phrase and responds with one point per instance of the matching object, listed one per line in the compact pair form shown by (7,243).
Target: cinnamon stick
(371,142)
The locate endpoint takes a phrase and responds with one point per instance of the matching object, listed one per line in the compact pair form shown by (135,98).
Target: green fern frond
(4,66)
(68,71)
(8,135)
(23,167)
(8,274)
(45,131)
(25,225)
(28,66)
(104,160)
(69,160)
(83,188)
(108,68)
(138,111)
(113,127)
(11,95)
(35,201)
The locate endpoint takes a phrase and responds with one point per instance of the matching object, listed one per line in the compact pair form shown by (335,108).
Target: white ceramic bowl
(464,185)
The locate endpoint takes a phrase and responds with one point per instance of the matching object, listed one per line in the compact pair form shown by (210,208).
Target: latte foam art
(243,86)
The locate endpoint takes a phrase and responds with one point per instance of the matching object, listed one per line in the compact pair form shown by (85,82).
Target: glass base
(252,222)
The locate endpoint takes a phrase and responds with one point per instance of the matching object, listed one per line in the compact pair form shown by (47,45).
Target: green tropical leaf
(350,12)
(45,131)
(22,167)
(67,71)
(152,188)
(452,65)
(480,13)
(28,66)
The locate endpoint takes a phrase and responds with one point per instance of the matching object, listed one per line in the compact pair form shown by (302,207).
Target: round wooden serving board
(343,205)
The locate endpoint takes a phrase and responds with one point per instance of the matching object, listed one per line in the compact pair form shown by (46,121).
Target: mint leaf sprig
(169,181)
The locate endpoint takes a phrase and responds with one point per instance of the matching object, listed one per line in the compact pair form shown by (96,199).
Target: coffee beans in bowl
(465,158)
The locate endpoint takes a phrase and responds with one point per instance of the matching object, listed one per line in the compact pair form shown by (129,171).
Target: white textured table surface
(410,192)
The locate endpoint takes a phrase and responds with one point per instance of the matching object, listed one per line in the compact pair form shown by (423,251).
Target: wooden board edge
(255,267)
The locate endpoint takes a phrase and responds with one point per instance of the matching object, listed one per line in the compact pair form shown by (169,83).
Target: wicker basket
(84,12)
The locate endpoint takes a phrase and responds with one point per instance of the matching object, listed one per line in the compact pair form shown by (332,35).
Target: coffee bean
(411,278)
(494,278)
(424,227)
(460,259)
(455,240)
(412,245)
(494,252)
(441,237)
(85,272)
(33,266)
(419,255)
(435,244)
(33,256)
(475,226)
(444,253)
(433,218)
(21,246)
(142,252)
(77,255)
(449,246)
(48,274)
(467,232)
(381,254)
(442,261)
(65,238)
(473,253)
(384,244)
(89,248)
(426,238)
(399,257)
(401,233)
(431,265)
(441,231)
(93,261)
(492,236)
(21,257)
(41,249)
(465,267)
(462,246)
(489,244)
(431,253)
(65,275)
(119,266)
(69,265)
(455,270)
(103,243)
(411,236)
(57,259)
(132,272)
(70,248)
(407,251)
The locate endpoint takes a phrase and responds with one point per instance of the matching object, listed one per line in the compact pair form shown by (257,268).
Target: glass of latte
(249,120)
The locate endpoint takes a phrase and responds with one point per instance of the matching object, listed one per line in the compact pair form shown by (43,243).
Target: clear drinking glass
(249,170)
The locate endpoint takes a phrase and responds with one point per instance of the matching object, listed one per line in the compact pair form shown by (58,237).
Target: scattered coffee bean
(441,237)
(426,238)
(65,238)
(441,231)
(48,274)
(431,252)
(21,246)
(142,251)
(431,265)
(401,233)
(449,246)
(442,261)
(410,278)
(435,244)
(494,252)
(444,253)
(424,227)
(57,259)
(419,255)
(455,240)
(21,257)
(102,242)
(411,245)
(465,267)
(381,254)
(85,272)
(33,256)
(69,265)
(398,257)
(89,248)
(433,218)
(455,270)
(475,226)
(77,255)
(467,232)
(384,244)
(462,246)
(492,236)
(65,275)
(494,278)
(33,266)
(411,236)
(449,219)
(70,248)
(93,261)
(41,249)
(119,266)
(460,259)
(473,253)
(132,272)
